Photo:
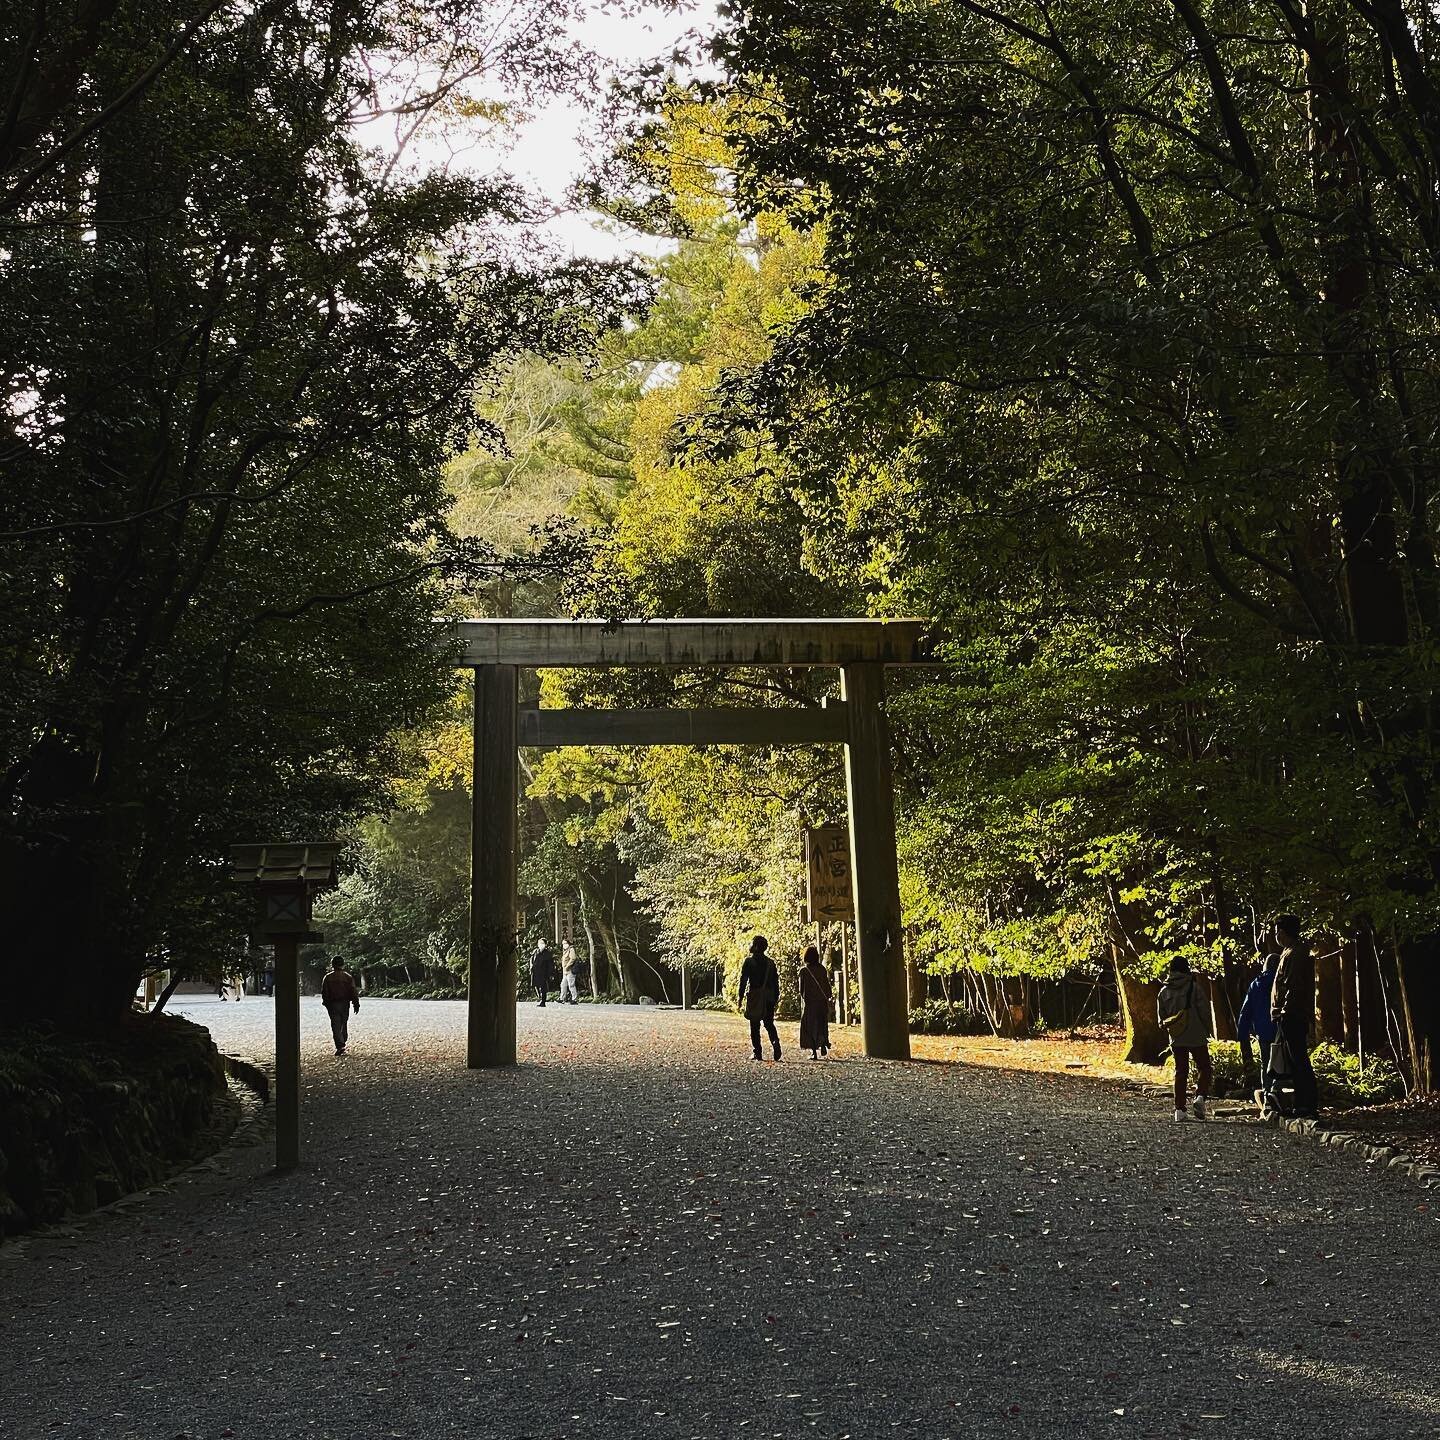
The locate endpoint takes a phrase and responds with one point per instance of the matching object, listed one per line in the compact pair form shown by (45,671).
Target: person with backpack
(1292,1008)
(1254,1023)
(569,975)
(761,979)
(1183,1009)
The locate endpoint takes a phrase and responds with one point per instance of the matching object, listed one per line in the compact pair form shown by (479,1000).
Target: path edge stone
(1381,1156)
(253,1128)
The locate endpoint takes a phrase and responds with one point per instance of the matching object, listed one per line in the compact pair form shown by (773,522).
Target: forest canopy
(241,331)
(1102,337)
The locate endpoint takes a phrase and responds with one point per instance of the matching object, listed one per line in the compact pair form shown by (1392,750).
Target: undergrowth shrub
(416,990)
(940,1017)
(1340,1079)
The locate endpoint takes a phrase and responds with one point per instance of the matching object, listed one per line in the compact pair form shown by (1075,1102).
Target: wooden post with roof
(286,878)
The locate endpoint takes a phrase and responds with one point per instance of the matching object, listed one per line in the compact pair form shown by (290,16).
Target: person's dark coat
(1292,996)
(338,989)
(759,987)
(814,1008)
(542,969)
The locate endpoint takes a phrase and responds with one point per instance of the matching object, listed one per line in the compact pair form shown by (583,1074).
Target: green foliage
(416,990)
(238,349)
(1341,1080)
(404,904)
(940,1017)
(1117,364)
(1228,1077)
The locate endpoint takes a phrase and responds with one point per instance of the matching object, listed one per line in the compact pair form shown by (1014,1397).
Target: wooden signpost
(829,890)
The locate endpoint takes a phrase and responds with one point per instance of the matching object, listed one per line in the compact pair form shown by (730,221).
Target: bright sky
(549,153)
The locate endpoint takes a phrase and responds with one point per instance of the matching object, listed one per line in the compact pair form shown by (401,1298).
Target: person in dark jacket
(338,993)
(542,969)
(814,1005)
(1254,1023)
(761,979)
(1292,1008)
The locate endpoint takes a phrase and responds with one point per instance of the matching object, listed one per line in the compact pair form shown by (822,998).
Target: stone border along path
(1388,1155)
(638,1232)
(251,1085)
(1321,1133)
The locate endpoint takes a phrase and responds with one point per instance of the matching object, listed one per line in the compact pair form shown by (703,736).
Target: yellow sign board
(829,892)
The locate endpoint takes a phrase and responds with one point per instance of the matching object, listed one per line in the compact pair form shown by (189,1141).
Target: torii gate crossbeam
(861,649)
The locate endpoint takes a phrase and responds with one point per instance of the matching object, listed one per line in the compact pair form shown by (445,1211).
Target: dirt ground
(1411,1125)
(1095,1050)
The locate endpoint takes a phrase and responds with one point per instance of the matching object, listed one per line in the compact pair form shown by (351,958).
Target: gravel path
(639,1232)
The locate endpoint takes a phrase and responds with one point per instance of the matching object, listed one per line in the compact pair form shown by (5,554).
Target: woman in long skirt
(814,1005)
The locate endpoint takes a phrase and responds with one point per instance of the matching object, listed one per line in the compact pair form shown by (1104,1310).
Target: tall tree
(1120,344)
(238,347)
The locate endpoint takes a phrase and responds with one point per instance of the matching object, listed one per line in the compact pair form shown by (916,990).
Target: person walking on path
(1254,1022)
(1292,1008)
(761,979)
(569,985)
(1184,1013)
(814,1005)
(542,973)
(338,994)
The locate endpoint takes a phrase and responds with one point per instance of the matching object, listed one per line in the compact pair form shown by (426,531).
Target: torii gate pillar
(490,1034)
(884,1001)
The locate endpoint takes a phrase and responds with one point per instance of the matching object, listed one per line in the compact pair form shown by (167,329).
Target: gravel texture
(638,1232)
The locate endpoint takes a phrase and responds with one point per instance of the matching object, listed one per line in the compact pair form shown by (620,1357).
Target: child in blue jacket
(1254,1021)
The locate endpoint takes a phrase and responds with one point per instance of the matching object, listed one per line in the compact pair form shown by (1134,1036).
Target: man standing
(759,976)
(338,994)
(1292,1008)
(569,985)
(541,969)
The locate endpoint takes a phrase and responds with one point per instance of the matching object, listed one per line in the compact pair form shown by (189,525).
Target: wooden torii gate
(497,650)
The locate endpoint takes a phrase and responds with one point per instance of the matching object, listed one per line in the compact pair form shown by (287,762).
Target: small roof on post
(539,644)
(306,862)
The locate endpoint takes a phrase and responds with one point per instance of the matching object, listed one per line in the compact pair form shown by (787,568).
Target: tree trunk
(1329,1002)
(1374,1019)
(615,958)
(603,959)
(1349,997)
(1145,1041)
(1420,1007)
(917,982)
(1221,1011)
(166,993)
(1005,1005)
